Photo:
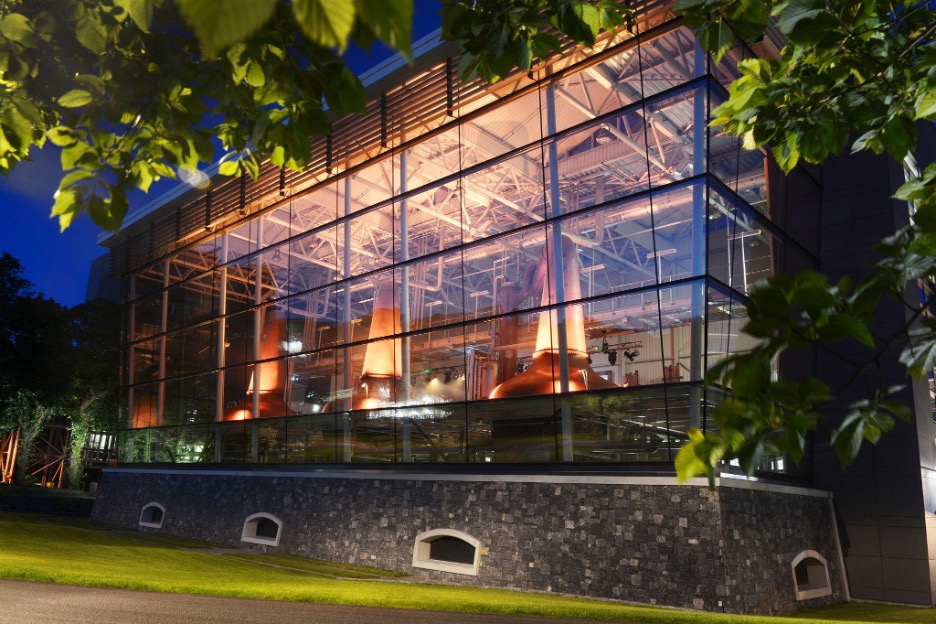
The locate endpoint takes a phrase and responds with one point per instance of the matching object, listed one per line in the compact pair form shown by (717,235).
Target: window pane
(601,162)
(503,196)
(436,295)
(147,316)
(496,132)
(311,210)
(670,128)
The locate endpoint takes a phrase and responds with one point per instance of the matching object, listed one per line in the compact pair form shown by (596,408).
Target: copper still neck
(555,327)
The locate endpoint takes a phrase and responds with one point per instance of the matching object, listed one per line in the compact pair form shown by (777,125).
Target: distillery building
(467,341)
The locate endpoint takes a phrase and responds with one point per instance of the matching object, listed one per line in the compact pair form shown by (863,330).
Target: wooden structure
(99,449)
(49,453)
(8,449)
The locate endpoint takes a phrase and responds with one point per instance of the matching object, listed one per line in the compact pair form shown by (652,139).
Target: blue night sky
(58,264)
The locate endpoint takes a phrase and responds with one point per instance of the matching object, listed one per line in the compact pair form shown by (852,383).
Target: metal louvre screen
(418,106)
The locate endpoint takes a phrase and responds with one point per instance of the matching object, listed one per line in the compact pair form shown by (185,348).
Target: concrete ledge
(558,479)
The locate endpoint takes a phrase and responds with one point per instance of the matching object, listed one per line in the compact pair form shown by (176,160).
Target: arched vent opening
(447,550)
(266,529)
(262,528)
(810,575)
(152,516)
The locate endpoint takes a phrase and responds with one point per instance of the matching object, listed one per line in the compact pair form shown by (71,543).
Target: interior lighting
(603,135)
(291,346)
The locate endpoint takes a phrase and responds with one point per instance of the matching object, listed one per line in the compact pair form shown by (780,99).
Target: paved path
(23,602)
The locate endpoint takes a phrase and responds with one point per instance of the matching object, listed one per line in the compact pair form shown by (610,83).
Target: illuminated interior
(542,275)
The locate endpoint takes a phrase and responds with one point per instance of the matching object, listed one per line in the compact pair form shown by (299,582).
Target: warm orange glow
(368,404)
(380,382)
(271,375)
(144,412)
(382,358)
(547,334)
(542,377)
(238,414)
(451,391)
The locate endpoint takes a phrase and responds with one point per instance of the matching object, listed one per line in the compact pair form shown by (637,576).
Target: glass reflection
(531,283)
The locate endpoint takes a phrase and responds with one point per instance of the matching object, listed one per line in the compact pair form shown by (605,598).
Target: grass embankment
(80,553)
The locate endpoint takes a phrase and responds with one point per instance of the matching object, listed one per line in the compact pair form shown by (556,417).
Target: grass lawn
(80,553)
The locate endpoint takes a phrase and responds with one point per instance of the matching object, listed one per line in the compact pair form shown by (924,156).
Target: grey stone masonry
(644,540)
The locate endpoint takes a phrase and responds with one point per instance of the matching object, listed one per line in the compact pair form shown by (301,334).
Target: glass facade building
(539,271)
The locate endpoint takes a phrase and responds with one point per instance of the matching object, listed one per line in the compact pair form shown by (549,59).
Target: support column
(255,374)
(131,355)
(346,329)
(153,446)
(699,223)
(405,425)
(163,324)
(557,270)
(131,372)
(222,346)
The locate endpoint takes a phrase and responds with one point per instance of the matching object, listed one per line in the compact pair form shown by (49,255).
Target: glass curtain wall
(543,279)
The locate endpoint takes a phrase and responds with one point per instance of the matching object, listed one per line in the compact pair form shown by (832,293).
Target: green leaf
(91,32)
(717,38)
(141,12)
(926,105)
(687,463)
(18,28)
(899,136)
(910,190)
(107,212)
(344,91)
(75,98)
(142,176)
(848,436)
(278,156)
(855,328)
(18,129)
(748,19)
(750,455)
(326,22)
(229,168)
(74,177)
(255,76)
(805,21)
(221,24)
(544,44)
(94,83)
(699,455)
(62,136)
(73,153)
(919,356)
(65,208)
(68,199)
(391,21)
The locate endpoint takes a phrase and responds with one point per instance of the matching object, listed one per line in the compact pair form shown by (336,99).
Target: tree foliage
(851,73)
(131,96)
(498,37)
(55,362)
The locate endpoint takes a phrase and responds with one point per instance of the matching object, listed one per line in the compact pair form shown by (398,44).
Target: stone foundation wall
(641,540)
